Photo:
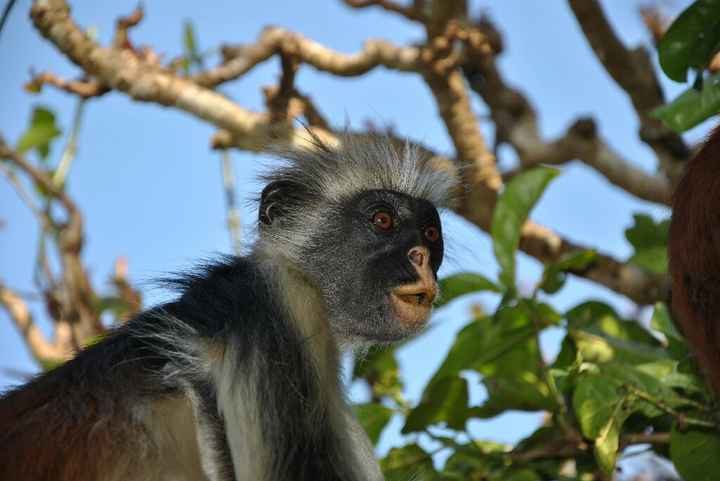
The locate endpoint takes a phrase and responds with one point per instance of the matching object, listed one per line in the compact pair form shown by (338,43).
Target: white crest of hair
(364,162)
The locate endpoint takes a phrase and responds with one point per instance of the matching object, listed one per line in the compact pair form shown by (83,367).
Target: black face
(363,254)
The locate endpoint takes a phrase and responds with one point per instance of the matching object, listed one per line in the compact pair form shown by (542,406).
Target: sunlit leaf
(458,285)
(649,238)
(192,54)
(40,133)
(608,439)
(512,210)
(662,322)
(379,368)
(692,106)
(594,401)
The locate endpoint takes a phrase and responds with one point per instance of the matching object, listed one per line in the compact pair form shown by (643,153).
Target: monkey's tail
(694,255)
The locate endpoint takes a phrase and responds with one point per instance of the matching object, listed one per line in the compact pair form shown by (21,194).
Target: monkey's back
(694,256)
(100,402)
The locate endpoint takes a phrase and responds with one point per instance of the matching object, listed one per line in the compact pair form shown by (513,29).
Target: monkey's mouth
(412,303)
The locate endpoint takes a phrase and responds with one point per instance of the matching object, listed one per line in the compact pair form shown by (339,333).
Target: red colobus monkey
(694,250)
(237,379)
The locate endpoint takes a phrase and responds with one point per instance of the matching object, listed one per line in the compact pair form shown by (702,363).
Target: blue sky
(150,187)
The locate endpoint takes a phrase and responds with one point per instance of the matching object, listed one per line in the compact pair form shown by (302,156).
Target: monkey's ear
(277,199)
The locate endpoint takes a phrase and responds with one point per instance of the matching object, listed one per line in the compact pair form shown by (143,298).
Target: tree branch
(78,309)
(238,60)
(251,131)
(411,12)
(517,124)
(40,347)
(633,71)
(82,88)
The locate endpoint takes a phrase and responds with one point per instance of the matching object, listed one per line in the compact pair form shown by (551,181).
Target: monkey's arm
(694,251)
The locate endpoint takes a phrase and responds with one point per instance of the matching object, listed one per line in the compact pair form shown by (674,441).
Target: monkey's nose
(419,256)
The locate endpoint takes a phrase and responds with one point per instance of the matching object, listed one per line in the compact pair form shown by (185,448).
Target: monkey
(238,377)
(694,258)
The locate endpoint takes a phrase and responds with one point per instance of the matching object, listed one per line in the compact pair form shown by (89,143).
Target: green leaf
(608,439)
(553,277)
(667,372)
(696,454)
(485,340)
(445,401)
(458,285)
(190,44)
(379,368)
(118,306)
(600,335)
(40,134)
(373,418)
(408,462)
(692,106)
(662,322)
(511,212)
(594,401)
(649,238)
(691,40)
(510,364)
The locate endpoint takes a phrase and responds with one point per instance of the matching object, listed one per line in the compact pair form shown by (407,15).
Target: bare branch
(40,347)
(572,447)
(241,59)
(131,296)
(145,81)
(581,142)
(124,24)
(233,214)
(36,175)
(78,309)
(251,131)
(517,124)
(633,71)
(84,88)
(654,21)
(411,12)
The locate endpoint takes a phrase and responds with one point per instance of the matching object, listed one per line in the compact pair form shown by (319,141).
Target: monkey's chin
(412,311)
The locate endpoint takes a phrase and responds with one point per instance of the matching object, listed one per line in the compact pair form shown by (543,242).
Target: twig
(86,88)
(124,24)
(41,349)
(6,13)
(70,150)
(233,214)
(681,418)
(411,12)
(21,190)
(238,60)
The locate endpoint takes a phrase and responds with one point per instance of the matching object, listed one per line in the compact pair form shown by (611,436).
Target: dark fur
(229,302)
(694,249)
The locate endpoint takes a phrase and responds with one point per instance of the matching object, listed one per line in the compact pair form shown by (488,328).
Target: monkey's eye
(382,220)
(432,234)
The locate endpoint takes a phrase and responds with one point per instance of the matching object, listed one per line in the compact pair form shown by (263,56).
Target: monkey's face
(376,261)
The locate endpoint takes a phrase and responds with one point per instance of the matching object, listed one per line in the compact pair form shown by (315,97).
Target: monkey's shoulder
(227,295)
